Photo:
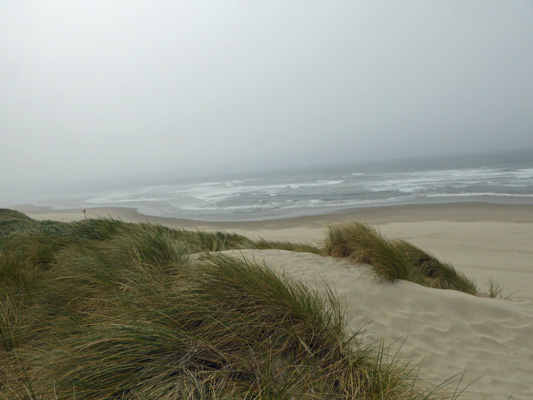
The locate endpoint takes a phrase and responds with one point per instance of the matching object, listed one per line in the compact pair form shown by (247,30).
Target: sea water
(501,178)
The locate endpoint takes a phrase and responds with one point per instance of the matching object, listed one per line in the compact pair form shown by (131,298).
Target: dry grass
(107,310)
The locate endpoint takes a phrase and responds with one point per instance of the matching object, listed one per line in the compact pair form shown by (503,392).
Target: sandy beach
(447,332)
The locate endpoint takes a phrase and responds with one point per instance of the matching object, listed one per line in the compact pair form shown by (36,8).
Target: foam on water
(308,192)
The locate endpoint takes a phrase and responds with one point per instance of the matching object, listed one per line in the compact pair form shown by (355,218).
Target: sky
(125,90)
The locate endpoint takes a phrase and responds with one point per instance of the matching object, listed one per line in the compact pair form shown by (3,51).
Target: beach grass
(394,259)
(103,309)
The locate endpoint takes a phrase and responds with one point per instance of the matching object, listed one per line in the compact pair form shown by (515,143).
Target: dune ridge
(447,332)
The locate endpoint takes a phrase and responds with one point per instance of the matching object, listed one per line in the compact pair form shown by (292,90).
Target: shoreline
(445,211)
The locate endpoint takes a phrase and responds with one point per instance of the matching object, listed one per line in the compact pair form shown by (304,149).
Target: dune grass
(394,259)
(102,309)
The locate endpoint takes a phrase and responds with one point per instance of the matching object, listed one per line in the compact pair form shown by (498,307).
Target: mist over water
(503,178)
(108,94)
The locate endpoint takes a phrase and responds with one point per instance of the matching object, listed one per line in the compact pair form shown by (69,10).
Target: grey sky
(103,90)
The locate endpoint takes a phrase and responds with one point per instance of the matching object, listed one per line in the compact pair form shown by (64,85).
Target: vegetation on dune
(394,259)
(102,309)
(7,215)
(263,244)
(11,220)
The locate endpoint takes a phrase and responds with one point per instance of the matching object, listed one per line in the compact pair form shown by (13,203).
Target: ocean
(498,178)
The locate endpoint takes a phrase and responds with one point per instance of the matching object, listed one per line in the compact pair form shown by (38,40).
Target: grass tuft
(262,244)
(394,259)
(495,289)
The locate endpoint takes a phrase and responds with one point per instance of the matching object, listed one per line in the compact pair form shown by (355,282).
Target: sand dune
(490,340)
(448,332)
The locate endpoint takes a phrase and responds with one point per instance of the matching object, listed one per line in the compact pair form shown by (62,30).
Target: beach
(486,344)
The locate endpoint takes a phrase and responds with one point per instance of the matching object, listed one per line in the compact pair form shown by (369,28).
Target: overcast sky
(106,90)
